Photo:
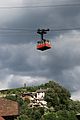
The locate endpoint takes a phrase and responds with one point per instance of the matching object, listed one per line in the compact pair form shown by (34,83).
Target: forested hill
(59,104)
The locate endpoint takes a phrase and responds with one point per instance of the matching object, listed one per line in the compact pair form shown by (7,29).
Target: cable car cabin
(43,45)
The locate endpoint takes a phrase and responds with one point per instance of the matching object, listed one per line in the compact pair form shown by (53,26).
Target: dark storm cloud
(34,18)
(15,57)
(60,63)
(18,54)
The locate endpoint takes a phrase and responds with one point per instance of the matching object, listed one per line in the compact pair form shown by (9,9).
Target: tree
(49,116)
(59,115)
(60,106)
(57,96)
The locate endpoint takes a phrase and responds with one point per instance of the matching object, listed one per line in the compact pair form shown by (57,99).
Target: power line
(38,2)
(17,29)
(26,30)
(31,32)
(42,6)
(65,29)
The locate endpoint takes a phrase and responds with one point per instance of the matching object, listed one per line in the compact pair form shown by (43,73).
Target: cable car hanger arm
(42,32)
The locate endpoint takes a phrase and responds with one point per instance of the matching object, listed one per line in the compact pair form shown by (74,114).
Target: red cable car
(43,44)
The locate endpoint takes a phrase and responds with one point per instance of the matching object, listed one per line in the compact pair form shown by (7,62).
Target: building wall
(40,95)
(27,97)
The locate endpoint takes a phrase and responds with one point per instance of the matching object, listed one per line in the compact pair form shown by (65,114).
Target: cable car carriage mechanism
(43,44)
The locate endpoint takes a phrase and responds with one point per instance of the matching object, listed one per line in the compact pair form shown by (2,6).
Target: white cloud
(21,63)
(10,2)
(9,15)
(15,81)
(75,95)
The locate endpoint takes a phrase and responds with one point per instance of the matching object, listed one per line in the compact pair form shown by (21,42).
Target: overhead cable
(17,29)
(65,29)
(27,30)
(42,6)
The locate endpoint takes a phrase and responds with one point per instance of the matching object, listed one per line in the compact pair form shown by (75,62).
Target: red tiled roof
(1,118)
(8,107)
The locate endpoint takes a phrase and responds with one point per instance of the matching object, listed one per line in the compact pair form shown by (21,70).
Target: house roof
(78,114)
(8,107)
(41,90)
(1,118)
(27,94)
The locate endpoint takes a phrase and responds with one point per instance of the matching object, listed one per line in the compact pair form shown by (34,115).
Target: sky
(21,62)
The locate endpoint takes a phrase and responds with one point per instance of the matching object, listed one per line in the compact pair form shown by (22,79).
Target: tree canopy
(60,106)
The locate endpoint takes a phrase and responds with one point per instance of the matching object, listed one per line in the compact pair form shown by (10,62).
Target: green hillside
(59,104)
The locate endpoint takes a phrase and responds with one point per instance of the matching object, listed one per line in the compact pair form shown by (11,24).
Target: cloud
(76,95)
(21,63)
(19,81)
(34,18)
(8,15)
(61,63)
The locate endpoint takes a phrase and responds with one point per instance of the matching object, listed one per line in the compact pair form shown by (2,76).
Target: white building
(41,93)
(36,98)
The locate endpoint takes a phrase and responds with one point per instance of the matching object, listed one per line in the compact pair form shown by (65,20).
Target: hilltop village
(36,98)
(43,102)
